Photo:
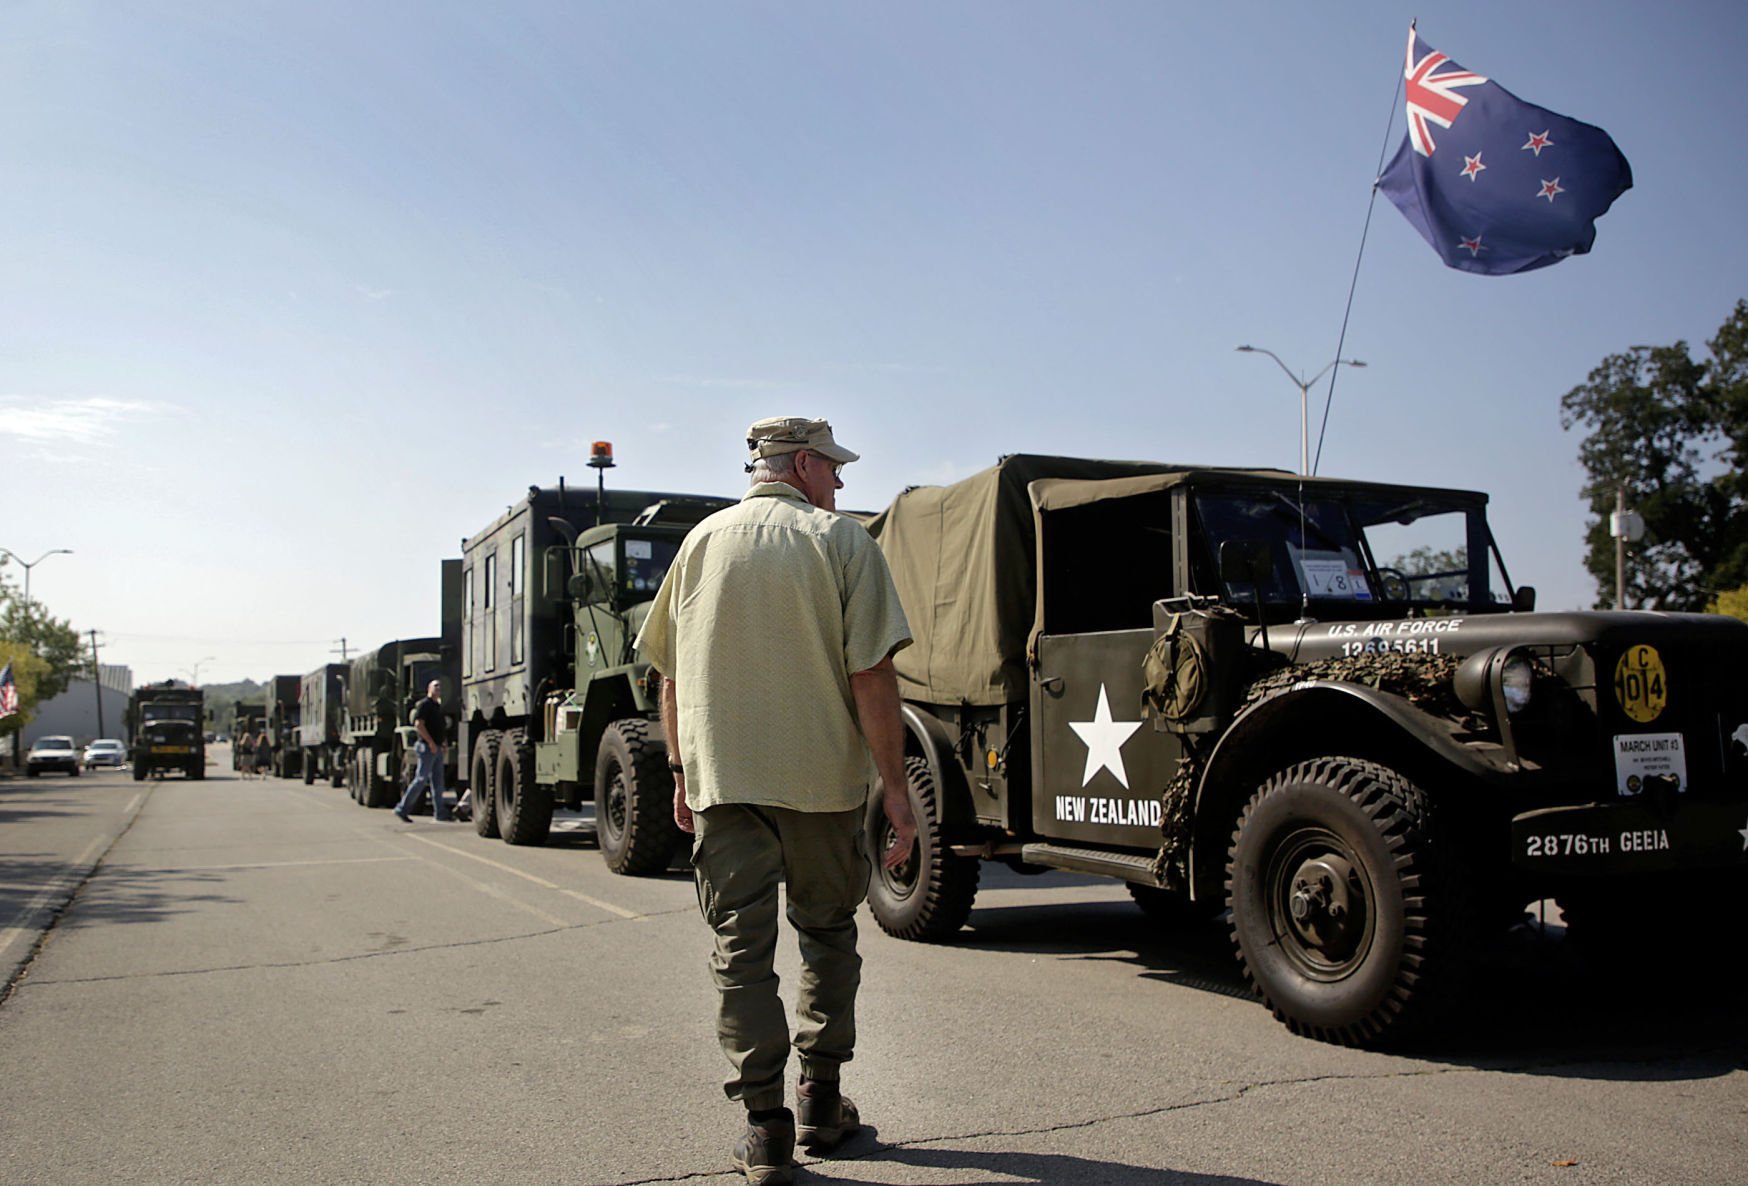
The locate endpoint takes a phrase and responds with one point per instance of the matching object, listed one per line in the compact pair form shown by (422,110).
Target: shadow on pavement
(114,895)
(1051,1168)
(1532,1002)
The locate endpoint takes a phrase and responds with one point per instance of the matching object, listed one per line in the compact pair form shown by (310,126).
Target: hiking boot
(827,1116)
(765,1153)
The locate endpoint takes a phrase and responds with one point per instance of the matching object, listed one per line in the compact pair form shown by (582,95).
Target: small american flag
(8,693)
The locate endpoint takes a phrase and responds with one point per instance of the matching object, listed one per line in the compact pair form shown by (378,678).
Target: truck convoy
(1319,705)
(166,730)
(557,707)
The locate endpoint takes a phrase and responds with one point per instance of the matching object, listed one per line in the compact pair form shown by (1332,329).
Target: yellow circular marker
(1640,684)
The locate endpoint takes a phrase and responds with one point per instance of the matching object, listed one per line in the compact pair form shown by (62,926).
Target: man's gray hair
(774,469)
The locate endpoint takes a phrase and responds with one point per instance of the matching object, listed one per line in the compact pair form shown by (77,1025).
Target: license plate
(170,749)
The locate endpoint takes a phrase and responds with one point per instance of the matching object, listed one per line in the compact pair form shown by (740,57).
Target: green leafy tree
(50,639)
(1733,602)
(1672,431)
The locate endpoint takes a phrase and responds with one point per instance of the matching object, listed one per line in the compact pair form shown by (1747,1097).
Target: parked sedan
(52,753)
(105,751)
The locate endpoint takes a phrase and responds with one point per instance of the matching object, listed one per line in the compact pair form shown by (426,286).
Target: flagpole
(1354,283)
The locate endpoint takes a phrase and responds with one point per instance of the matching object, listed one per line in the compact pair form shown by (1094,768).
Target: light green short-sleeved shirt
(768,609)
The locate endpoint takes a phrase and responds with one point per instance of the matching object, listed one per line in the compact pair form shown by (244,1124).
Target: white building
(74,713)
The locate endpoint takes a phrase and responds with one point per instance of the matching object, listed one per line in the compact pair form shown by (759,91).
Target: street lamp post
(1304,386)
(30,564)
(194,672)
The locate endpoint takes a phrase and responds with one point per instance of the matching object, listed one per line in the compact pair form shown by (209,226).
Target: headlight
(1515,681)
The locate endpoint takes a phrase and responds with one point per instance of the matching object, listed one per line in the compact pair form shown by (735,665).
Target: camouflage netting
(1425,681)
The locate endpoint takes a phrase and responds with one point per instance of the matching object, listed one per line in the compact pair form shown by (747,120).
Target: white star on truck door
(1104,741)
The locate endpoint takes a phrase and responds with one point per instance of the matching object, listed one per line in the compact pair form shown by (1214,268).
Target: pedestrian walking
(775,629)
(429,724)
(263,754)
(245,757)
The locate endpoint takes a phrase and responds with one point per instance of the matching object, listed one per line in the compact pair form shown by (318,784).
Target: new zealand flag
(1495,184)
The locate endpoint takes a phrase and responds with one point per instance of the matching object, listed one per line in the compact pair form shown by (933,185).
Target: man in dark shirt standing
(429,724)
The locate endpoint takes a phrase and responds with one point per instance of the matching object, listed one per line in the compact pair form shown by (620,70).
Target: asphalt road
(258,982)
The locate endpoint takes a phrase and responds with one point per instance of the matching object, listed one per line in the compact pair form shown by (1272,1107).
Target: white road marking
(490,890)
(540,881)
(134,802)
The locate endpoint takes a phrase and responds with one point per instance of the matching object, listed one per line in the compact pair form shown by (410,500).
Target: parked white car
(52,753)
(105,751)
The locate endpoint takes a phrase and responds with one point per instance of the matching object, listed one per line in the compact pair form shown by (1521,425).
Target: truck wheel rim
(1319,904)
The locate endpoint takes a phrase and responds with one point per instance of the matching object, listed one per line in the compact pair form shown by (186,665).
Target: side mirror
(1246,560)
(1524,600)
(580,587)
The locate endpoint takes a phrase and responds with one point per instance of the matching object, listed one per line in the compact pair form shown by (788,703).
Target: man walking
(775,629)
(428,723)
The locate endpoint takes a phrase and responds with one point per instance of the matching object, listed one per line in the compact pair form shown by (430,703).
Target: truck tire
(336,769)
(197,772)
(523,806)
(929,896)
(309,769)
(634,801)
(1330,882)
(481,773)
(139,772)
(377,791)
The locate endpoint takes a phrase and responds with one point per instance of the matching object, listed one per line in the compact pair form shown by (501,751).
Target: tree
(1733,602)
(1672,431)
(48,638)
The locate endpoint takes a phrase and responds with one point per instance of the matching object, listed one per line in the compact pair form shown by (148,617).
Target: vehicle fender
(1312,719)
(927,738)
(608,697)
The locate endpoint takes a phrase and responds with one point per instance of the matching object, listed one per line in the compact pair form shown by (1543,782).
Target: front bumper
(1594,839)
(52,763)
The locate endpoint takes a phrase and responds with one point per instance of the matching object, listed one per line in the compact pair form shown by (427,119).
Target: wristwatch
(676,768)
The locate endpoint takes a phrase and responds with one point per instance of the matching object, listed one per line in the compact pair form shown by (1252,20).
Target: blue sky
(295,296)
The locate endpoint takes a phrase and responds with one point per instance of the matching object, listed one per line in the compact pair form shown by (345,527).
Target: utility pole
(341,649)
(97,682)
(1624,525)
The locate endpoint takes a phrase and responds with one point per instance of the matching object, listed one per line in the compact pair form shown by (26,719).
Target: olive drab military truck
(166,725)
(246,721)
(559,709)
(321,714)
(1319,705)
(280,724)
(383,687)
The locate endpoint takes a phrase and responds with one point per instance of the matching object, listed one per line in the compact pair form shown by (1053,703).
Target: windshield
(1361,552)
(644,563)
(55,743)
(170,712)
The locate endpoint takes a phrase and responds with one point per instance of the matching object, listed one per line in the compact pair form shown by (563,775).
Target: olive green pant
(740,854)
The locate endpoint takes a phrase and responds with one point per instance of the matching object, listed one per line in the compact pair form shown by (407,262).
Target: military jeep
(1319,705)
